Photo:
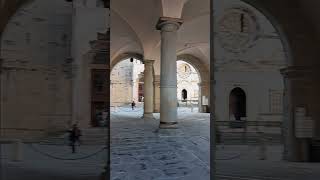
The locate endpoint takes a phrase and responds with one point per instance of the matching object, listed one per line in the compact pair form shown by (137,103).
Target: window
(276,101)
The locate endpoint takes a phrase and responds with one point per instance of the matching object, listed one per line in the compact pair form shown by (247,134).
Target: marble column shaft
(148,89)
(168,75)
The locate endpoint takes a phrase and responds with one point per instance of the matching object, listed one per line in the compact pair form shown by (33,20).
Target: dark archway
(237,104)
(184,94)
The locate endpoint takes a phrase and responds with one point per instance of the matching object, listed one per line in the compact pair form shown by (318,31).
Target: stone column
(168,74)
(148,89)
(204,90)
(156,100)
(296,93)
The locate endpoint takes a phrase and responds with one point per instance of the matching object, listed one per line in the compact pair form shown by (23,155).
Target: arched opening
(237,104)
(127,85)
(188,91)
(184,94)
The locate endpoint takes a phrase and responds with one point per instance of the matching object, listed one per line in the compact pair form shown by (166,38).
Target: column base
(148,116)
(168,125)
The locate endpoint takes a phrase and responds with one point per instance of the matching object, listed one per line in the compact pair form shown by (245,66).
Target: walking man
(74,137)
(133,105)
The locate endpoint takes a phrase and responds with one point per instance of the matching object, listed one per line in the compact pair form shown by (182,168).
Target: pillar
(148,89)
(168,74)
(156,83)
(204,90)
(296,93)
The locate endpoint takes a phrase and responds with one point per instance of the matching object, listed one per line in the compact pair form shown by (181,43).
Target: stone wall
(187,79)
(89,18)
(121,83)
(36,80)
(125,79)
(253,66)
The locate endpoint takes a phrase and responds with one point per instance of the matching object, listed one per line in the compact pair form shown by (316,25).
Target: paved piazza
(37,166)
(139,151)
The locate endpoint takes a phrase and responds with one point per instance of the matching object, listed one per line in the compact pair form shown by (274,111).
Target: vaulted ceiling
(135,21)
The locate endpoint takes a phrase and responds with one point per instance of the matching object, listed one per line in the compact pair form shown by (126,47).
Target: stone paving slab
(142,151)
(183,154)
(35,166)
(148,154)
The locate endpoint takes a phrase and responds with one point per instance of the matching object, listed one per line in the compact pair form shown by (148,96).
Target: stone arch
(298,39)
(8,10)
(125,56)
(132,33)
(121,58)
(276,24)
(202,69)
(204,78)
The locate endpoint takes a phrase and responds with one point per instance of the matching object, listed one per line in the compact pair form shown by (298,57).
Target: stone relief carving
(237,30)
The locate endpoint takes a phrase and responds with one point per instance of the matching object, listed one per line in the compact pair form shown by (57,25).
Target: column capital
(169,24)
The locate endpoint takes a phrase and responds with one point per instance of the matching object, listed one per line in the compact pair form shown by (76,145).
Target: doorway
(237,104)
(184,94)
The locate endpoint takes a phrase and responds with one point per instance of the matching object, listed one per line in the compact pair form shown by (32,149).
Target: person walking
(133,105)
(74,137)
